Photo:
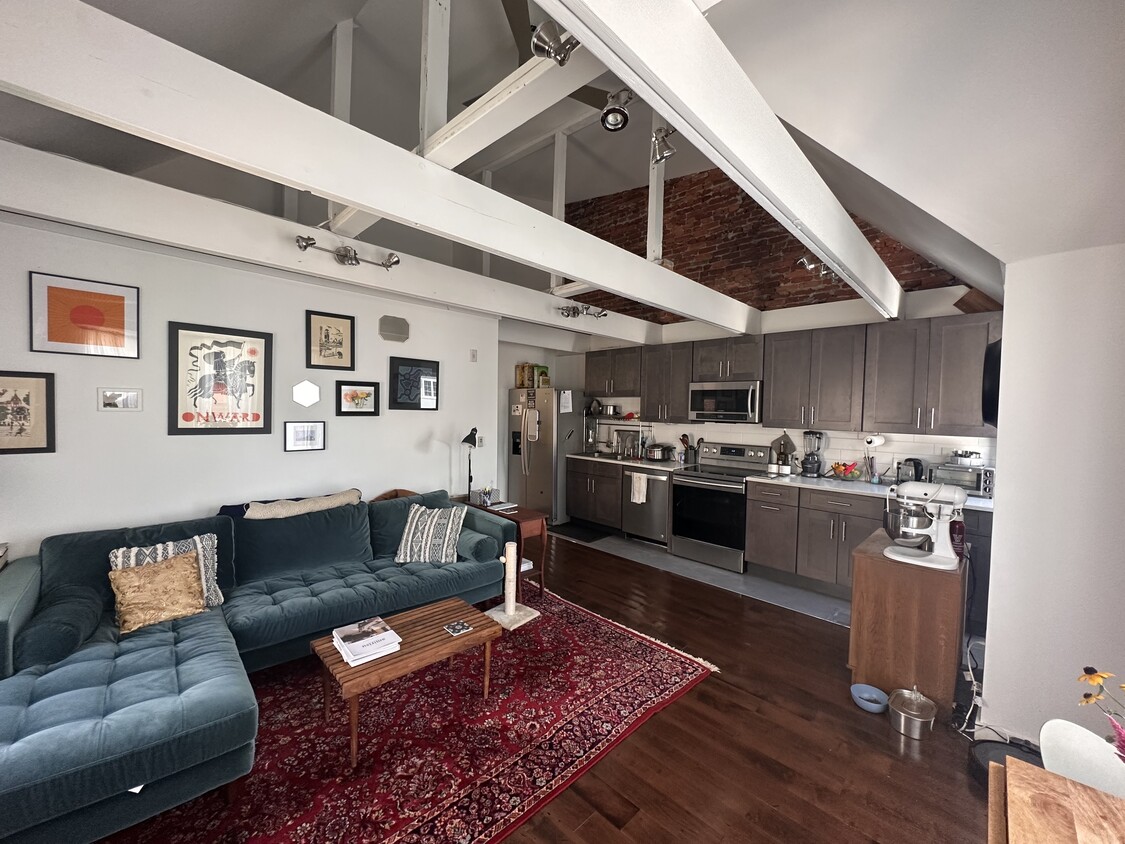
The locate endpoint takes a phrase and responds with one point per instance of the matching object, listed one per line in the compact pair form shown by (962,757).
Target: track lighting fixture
(809,264)
(575,311)
(347,255)
(615,115)
(547,43)
(661,149)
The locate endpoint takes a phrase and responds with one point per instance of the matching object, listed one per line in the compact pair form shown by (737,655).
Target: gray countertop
(847,487)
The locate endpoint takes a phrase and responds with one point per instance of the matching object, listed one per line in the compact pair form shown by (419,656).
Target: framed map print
(73,316)
(27,412)
(329,341)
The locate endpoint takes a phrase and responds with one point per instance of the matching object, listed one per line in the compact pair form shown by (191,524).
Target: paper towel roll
(874,440)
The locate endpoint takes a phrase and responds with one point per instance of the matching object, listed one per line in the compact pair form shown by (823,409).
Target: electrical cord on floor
(970,732)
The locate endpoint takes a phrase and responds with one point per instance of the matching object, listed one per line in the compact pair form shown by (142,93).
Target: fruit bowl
(840,475)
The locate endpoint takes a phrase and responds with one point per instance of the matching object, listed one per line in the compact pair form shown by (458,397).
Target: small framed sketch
(73,316)
(357,398)
(219,380)
(414,384)
(27,412)
(120,398)
(329,341)
(304,436)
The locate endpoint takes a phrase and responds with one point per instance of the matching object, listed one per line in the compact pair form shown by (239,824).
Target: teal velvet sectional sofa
(169,707)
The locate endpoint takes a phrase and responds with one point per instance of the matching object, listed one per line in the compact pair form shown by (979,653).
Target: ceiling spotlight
(547,43)
(575,311)
(661,149)
(347,255)
(615,116)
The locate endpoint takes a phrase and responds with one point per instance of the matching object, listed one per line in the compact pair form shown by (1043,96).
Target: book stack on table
(365,640)
(502,506)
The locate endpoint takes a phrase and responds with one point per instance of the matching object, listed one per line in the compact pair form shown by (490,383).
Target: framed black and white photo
(120,399)
(74,316)
(414,384)
(219,380)
(27,412)
(329,341)
(304,436)
(357,398)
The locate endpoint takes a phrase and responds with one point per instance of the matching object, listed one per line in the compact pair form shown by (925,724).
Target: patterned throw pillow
(430,535)
(205,545)
(157,592)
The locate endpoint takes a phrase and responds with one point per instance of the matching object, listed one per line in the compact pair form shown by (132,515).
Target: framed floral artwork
(414,384)
(73,316)
(219,380)
(27,412)
(329,341)
(357,398)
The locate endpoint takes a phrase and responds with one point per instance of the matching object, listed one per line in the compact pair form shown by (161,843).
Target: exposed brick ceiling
(718,236)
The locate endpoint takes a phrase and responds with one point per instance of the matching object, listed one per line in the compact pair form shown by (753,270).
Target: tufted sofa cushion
(121,711)
(272,547)
(388,518)
(277,609)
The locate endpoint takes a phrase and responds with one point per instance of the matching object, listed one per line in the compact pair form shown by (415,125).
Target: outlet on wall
(472,355)
(480,440)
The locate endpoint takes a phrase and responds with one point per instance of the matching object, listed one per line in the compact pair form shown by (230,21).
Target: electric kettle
(909,469)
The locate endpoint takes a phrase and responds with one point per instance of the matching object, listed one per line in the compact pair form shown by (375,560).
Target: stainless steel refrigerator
(543,427)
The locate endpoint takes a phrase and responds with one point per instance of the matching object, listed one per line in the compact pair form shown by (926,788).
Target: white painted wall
(1058,569)
(123,469)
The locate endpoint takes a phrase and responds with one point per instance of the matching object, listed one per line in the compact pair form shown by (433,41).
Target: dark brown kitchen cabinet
(953,396)
(771,534)
(814,379)
(853,531)
(816,545)
(727,359)
(665,381)
(830,525)
(593,492)
(895,376)
(614,372)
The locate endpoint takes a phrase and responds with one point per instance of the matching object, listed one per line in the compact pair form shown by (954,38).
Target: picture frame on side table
(120,399)
(220,380)
(27,412)
(414,384)
(304,436)
(329,341)
(357,398)
(74,316)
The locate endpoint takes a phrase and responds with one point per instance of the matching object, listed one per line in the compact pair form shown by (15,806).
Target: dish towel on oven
(639,493)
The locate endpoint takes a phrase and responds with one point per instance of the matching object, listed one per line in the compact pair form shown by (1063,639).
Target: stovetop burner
(729,461)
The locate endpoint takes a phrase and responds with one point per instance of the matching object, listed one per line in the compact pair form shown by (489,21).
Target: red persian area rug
(437,763)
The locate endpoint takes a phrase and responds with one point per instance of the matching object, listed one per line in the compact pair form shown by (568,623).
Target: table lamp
(471,441)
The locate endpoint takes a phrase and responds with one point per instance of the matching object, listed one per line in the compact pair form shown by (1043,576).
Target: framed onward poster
(219,380)
(27,412)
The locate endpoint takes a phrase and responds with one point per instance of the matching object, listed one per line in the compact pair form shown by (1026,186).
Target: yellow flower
(1094,677)
(1090,697)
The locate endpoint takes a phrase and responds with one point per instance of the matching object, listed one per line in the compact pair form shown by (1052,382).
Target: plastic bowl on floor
(869,698)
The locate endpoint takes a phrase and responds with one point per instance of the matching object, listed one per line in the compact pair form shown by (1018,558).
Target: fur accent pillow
(430,535)
(206,547)
(299,506)
(157,592)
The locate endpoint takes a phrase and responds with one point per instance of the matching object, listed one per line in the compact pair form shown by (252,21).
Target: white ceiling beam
(567,117)
(572,288)
(340,93)
(667,52)
(485,257)
(51,187)
(655,241)
(80,60)
(433,108)
(558,191)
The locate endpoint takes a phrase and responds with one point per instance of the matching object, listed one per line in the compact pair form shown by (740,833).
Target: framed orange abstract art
(74,316)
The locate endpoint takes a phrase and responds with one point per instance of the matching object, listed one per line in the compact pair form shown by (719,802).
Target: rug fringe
(710,666)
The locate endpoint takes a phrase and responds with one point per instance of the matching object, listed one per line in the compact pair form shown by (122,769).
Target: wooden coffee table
(424,642)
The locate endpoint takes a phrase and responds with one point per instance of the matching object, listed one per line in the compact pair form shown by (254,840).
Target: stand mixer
(810,465)
(919,520)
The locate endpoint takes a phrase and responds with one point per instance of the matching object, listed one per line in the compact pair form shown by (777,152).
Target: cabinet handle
(607,386)
(802,414)
(812,415)
(832,529)
(728,369)
(843,530)
(918,421)
(611,385)
(933,410)
(766,507)
(840,503)
(775,494)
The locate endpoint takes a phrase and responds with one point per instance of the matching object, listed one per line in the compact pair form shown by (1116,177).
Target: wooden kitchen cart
(529,523)
(907,623)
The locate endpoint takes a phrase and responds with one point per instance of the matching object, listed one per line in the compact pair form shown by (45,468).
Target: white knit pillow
(288,507)
(430,535)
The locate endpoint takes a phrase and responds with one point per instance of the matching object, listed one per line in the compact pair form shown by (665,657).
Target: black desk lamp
(471,441)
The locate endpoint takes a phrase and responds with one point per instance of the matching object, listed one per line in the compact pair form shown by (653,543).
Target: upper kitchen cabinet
(956,375)
(665,381)
(614,372)
(924,376)
(896,373)
(814,379)
(727,359)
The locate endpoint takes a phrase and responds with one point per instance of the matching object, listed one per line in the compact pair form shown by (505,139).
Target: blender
(810,466)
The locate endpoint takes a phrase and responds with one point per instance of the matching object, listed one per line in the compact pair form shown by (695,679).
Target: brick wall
(717,235)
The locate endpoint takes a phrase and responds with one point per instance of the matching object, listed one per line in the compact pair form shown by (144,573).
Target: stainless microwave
(975,480)
(725,401)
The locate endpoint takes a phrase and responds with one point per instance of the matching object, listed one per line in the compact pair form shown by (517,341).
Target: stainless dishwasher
(648,520)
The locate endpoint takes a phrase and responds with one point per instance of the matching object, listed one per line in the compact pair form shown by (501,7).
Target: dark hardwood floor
(770,749)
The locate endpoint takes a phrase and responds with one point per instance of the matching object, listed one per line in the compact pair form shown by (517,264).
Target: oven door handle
(709,484)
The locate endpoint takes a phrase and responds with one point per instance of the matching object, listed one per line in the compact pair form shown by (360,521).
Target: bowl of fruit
(847,471)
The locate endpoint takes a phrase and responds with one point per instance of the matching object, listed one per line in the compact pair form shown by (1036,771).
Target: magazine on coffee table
(369,657)
(364,638)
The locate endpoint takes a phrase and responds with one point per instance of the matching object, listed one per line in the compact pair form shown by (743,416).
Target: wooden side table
(529,523)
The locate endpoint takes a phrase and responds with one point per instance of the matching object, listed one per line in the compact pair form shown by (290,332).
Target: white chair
(1082,755)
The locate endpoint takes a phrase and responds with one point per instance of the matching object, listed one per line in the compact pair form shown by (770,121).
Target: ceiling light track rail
(347,255)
